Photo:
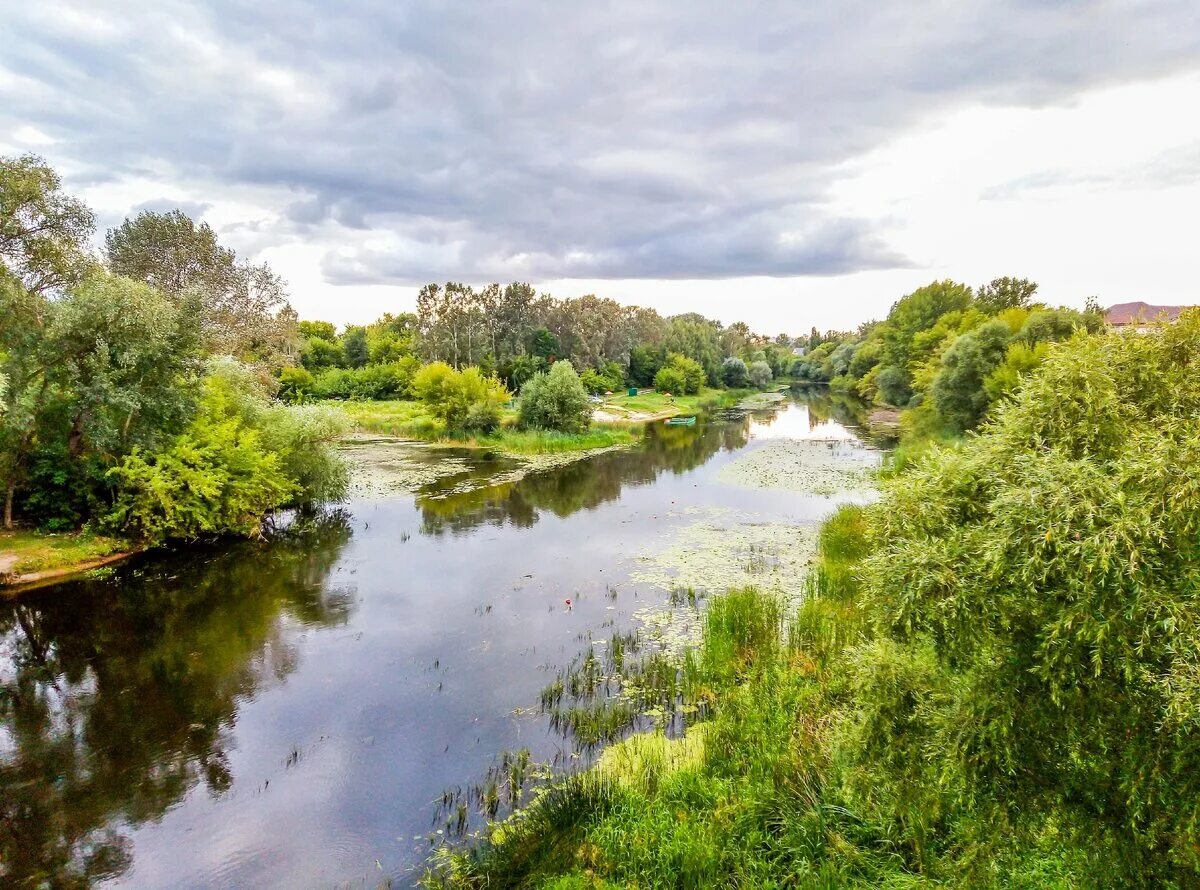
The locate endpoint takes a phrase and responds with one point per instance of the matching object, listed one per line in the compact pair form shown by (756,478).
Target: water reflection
(137,735)
(585,484)
(113,709)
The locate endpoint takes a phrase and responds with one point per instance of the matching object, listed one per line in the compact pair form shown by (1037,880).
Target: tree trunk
(8,503)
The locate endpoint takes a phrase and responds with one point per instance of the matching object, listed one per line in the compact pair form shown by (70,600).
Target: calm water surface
(289,713)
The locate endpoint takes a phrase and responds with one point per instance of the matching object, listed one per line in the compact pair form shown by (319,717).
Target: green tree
(43,233)
(111,361)
(958,390)
(243,307)
(734,372)
(670,380)
(354,347)
(555,400)
(465,400)
(760,374)
(1005,293)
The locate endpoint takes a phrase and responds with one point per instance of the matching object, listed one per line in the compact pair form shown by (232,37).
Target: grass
(660,405)
(27,551)
(411,420)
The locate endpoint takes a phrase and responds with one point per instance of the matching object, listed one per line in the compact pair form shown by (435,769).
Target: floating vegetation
(381,466)
(808,466)
(726,551)
(761,400)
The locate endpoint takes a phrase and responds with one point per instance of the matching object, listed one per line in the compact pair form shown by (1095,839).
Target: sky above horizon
(789,165)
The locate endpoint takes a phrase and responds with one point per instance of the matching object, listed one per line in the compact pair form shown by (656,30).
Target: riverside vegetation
(992,679)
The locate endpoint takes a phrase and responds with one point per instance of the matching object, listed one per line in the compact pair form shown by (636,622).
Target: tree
(644,362)
(760,374)
(734,372)
(893,385)
(670,380)
(958,391)
(354,347)
(43,233)
(1032,598)
(104,368)
(555,400)
(243,307)
(464,400)
(1005,293)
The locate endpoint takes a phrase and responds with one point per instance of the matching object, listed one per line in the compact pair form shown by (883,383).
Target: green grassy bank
(412,420)
(26,553)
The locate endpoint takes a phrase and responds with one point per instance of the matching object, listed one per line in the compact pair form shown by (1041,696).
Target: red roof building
(1140,315)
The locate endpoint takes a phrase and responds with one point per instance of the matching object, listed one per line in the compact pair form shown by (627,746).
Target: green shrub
(463,400)
(240,458)
(734,372)
(760,374)
(296,384)
(555,400)
(218,477)
(670,380)
(303,437)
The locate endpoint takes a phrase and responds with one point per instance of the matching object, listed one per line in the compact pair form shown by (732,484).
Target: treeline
(512,333)
(137,389)
(946,352)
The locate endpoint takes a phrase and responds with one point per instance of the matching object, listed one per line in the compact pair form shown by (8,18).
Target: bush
(598,383)
(296,384)
(734,372)
(371,383)
(239,459)
(694,376)
(1036,619)
(670,380)
(303,436)
(465,400)
(760,374)
(555,400)
(430,381)
(218,477)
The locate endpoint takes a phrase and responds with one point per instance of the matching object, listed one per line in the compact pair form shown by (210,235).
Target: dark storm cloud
(632,139)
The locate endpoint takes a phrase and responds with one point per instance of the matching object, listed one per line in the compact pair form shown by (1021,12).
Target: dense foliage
(555,400)
(992,681)
(464,400)
(944,351)
(107,414)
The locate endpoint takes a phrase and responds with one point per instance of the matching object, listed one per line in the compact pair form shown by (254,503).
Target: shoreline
(13,584)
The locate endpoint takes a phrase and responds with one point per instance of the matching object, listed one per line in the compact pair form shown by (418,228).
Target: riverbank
(412,420)
(648,405)
(29,558)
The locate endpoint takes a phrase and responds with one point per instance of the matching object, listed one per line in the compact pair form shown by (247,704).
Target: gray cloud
(637,139)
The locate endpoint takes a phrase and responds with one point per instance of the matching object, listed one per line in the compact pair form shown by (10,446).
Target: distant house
(798,351)
(1140,316)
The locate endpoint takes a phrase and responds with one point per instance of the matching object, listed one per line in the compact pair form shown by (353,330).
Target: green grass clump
(23,551)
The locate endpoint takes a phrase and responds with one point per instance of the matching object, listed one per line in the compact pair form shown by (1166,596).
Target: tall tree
(43,233)
(243,306)
(1005,293)
(113,357)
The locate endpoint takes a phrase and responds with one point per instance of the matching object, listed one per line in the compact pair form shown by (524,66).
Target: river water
(291,712)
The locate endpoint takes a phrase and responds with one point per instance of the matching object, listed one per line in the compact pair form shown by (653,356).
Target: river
(292,712)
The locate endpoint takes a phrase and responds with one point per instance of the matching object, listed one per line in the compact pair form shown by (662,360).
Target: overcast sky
(787,164)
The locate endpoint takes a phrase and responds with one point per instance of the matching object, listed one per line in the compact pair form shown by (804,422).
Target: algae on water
(808,466)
